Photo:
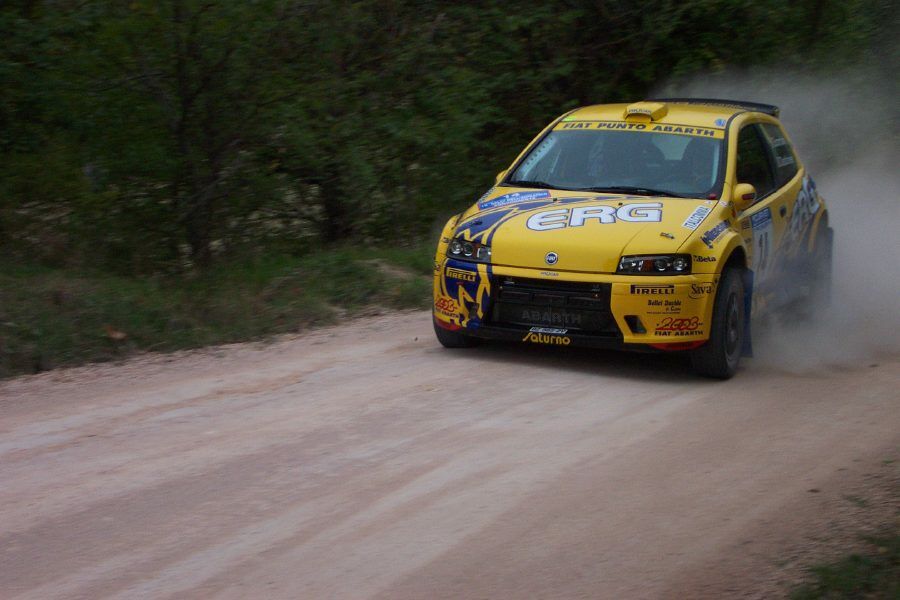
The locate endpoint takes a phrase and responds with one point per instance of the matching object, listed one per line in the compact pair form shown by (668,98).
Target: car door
(768,217)
(797,192)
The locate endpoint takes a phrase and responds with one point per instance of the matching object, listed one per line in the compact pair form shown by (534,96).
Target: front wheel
(719,357)
(453,339)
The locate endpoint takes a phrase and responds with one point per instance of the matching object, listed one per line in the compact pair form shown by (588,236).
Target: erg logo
(560,218)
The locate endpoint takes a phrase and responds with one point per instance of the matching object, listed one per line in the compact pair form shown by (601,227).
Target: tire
(814,279)
(453,339)
(719,357)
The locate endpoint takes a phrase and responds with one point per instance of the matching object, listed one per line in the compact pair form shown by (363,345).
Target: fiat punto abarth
(661,225)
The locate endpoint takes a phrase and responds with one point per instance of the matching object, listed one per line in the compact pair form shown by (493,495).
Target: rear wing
(768,109)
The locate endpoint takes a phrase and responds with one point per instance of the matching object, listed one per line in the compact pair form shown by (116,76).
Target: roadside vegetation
(873,575)
(52,317)
(187,172)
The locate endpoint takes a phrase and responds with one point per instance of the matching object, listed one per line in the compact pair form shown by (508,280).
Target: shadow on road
(608,363)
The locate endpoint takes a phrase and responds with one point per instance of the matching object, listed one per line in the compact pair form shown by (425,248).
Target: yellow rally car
(660,225)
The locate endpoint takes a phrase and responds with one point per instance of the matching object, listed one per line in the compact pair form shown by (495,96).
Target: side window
(753,163)
(782,153)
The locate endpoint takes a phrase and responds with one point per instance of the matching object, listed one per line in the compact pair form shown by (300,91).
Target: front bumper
(569,308)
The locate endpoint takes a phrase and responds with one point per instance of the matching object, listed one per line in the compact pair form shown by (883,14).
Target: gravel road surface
(364,461)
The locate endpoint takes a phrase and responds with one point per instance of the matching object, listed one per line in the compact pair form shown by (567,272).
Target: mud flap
(747,350)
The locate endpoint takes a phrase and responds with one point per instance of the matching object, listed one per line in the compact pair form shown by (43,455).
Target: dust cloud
(845,129)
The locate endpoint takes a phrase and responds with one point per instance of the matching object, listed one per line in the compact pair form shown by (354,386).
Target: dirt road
(365,461)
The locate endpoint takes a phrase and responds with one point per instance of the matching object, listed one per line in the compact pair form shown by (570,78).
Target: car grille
(582,307)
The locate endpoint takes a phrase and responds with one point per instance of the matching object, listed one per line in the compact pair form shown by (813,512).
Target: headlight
(466,250)
(656,264)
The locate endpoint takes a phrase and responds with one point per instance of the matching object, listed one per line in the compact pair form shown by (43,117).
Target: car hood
(586,232)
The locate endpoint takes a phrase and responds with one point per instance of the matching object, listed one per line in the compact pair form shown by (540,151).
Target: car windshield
(625,161)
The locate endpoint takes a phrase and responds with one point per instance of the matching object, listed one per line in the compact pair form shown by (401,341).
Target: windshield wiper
(529,183)
(625,189)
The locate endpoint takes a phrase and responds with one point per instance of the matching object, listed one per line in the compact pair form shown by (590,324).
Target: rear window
(782,153)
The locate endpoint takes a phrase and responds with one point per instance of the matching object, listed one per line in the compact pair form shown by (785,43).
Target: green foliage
(876,575)
(52,317)
(158,136)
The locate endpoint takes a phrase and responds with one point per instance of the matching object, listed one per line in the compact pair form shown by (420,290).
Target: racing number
(763,236)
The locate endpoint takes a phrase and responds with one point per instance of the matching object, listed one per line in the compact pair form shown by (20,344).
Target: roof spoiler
(768,109)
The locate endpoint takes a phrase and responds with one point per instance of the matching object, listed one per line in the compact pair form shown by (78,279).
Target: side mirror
(744,196)
(500,176)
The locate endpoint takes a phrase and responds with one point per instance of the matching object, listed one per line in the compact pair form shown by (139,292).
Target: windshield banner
(671,128)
